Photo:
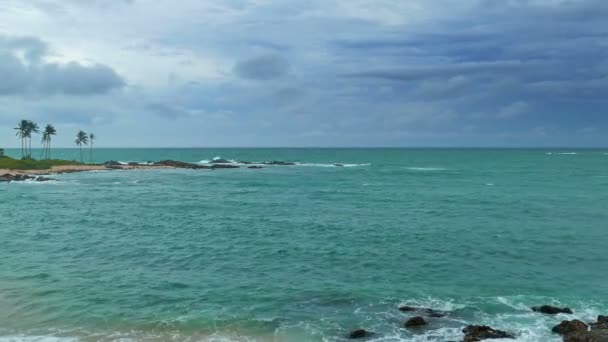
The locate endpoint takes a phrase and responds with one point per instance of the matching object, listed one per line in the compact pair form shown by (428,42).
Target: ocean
(306,252)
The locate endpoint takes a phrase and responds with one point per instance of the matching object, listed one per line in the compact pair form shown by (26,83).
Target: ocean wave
(220,160)
(562,153)
(332,164)
(426,169)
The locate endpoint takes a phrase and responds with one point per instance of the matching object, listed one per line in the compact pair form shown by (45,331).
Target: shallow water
(306,252)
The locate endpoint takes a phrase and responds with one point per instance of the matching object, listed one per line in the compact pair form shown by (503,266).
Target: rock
(44,179)
(254,167)
(338,164)
(112,163)
(276,162)
(114,167)
(416,321)
(601,324)
(133,164)
(426,311)
(483,332)
(588,336)
(569,327)
(551,310)
(224,166)
(359,333)
(182,165)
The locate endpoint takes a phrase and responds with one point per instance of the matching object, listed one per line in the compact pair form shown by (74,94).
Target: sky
(335,73)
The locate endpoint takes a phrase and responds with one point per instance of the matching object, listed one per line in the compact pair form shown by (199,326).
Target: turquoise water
(307,252)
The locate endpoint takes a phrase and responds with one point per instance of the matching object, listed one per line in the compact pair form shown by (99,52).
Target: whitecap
(426,168)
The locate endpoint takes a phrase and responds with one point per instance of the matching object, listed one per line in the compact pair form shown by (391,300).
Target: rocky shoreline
(570,330)
(37,175)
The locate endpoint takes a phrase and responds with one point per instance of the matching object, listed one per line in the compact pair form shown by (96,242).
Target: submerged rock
(359,333)
(551,310)
(254,167)
(338,164)
(416,321)
(426,311)
(569,327)
(483,332)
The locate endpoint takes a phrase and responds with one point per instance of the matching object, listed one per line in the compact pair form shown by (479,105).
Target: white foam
(426,168)
(332,164)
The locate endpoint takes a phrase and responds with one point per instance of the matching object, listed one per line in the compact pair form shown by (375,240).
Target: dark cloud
(262,68)
(24,72)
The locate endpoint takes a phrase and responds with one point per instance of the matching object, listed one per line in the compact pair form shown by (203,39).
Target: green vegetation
(49,131)
(1,152)
(91,138)
(31,164)
(81,139)
(25,129)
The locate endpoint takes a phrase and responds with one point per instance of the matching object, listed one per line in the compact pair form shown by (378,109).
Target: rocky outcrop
(588,336)
(551,310)
(277,162)
(359,333)
(254,167)
(577,331)
(601,324)
(112,163)
(483,332)
(414,322)
(20,178)
(570,327)
(424,311)
(182,165)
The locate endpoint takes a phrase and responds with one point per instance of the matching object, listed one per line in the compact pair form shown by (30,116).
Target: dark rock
(483,332)
(359,333)
(114,167)
(276,162)
(182,165)
(112,163)
(133,164)
(588,336)
(44,179)
(601,324)
(224,166)
(551,310)
(569,327)
(425,311)
(338,164)
(416,321)
(254,167)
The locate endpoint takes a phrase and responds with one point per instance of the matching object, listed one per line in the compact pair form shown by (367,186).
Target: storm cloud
(25,72)
(335,73)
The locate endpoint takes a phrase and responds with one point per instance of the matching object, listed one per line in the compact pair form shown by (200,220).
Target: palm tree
(91,138)
(22,128)
(81,139)
(31,127)
(49,131)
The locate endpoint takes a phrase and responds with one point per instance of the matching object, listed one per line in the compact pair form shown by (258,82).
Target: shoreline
(10,175)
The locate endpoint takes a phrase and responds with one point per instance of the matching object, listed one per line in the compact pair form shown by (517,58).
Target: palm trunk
(80,153)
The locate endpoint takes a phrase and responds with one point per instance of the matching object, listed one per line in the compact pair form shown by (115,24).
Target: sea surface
(305,252)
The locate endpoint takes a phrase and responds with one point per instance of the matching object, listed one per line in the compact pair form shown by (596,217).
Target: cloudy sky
(308,72)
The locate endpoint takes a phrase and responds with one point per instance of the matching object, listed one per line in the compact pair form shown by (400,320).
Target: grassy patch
(31,164)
